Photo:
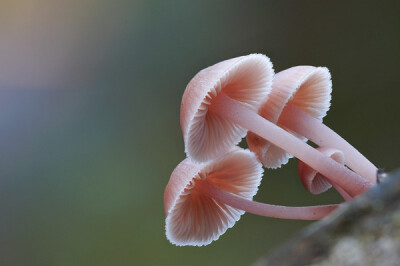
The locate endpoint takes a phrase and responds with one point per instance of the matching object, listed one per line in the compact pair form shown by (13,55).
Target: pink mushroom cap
(246,79)
(307,88)
(314,181)
(196,219)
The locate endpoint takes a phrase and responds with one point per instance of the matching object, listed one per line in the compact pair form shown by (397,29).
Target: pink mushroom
(317,183)
(207,135)
(220,104)
(203,200)
(299,99)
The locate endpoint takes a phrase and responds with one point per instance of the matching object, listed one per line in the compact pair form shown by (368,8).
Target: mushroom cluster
(209,191)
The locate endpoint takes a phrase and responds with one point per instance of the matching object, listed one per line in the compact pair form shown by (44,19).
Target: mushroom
(207,135)
(220,104)
(317,183)
(299,99)
(203,200)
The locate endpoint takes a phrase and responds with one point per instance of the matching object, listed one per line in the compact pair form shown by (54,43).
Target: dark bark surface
(365,231)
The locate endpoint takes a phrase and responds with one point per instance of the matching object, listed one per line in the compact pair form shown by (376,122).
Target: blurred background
(89,117)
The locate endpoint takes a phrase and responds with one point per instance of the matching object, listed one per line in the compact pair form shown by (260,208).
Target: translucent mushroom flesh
(298,101)
(202,201)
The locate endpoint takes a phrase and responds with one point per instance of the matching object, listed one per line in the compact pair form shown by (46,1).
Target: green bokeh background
(89,117)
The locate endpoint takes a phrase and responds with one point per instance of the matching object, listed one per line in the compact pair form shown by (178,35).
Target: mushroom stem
(231,109)
(313,129)
(263,209)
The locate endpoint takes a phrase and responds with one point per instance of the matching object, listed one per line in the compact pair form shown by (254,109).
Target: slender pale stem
(263,209)
(237,112)
(313,129)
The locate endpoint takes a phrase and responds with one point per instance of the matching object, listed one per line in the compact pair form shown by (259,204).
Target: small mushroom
(246,79)
(220,104)
(310,88)
(299,99)
(203,200)
(317,183)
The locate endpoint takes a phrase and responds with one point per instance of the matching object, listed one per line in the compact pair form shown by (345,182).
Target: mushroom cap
(246,79)
(306,87)
(195,219)
(314,181)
